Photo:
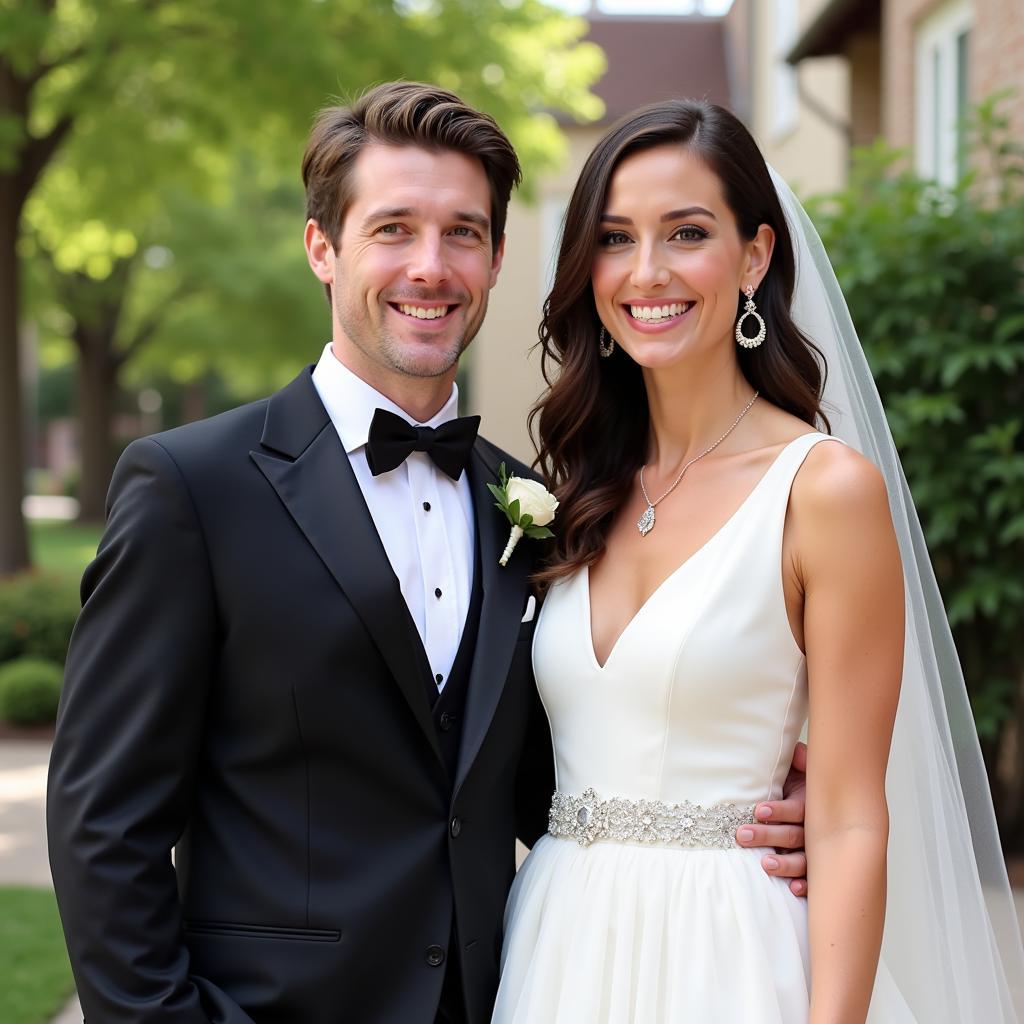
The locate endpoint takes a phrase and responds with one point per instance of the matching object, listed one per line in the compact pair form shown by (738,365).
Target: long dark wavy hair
(591,424)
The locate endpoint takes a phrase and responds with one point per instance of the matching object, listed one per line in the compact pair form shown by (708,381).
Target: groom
(298,663)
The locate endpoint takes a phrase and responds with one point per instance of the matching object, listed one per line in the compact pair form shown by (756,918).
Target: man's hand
(783,827)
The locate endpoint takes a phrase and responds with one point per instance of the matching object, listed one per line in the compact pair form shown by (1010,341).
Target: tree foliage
(116,115)
(935,282)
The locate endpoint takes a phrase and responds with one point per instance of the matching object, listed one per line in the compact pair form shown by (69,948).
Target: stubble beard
(386,349)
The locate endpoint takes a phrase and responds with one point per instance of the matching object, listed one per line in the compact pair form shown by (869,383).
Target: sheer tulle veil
(951,942)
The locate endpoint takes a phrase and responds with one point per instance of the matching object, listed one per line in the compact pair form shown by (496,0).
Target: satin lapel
(321,493)
(504,596)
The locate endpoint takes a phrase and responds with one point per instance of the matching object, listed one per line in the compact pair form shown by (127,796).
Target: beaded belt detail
(589,819)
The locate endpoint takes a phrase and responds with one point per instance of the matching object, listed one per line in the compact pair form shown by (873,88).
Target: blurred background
(152,270)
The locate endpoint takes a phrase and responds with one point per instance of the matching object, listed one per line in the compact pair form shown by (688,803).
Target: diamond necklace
(646,522)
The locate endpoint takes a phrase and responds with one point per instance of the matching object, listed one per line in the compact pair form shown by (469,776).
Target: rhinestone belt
(588,819)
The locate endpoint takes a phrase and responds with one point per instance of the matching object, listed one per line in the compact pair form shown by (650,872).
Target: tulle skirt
(625,934)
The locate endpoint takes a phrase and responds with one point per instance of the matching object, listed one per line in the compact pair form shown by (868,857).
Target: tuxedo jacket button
(447,721)
(456,827)
(435,956)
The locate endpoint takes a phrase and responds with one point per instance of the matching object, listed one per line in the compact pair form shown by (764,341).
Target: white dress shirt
(424,518)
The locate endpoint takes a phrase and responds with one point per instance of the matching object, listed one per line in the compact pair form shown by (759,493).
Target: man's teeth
(423,313)
(655,313)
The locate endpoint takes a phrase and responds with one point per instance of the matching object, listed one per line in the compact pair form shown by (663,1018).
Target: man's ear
(319,252)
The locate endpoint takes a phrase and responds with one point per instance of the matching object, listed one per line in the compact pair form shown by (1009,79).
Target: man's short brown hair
(402,114)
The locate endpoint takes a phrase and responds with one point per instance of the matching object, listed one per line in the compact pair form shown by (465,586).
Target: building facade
(917,68)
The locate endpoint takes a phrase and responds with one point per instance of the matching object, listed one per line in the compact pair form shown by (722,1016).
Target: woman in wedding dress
(725,570)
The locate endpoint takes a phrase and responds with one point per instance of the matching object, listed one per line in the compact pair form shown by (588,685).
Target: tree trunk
(97,388)
(13,536)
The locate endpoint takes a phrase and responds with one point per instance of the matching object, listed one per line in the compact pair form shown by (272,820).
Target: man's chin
(426,364)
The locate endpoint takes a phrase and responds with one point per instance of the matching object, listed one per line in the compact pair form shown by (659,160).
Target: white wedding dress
(701,700)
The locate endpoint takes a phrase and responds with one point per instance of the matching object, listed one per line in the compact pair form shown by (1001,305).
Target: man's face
(414,263)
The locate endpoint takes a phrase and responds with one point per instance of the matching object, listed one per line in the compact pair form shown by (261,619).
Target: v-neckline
(588,617)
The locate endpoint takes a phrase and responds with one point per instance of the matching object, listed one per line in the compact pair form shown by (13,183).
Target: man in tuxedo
(298,664)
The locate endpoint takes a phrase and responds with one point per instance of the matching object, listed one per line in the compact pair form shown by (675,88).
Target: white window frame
(785,112)
(936,91)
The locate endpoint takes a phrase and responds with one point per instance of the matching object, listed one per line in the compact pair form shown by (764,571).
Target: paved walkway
(23,858)
(22,827)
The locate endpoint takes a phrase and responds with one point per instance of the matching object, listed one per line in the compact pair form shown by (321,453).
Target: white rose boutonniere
(528,505)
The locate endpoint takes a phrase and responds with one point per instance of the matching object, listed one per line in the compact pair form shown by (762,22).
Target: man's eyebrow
(474,218)
(688,211)
(389,212)
(397,212)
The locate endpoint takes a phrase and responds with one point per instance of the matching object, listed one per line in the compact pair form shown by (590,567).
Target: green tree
(935,283)
(106,103)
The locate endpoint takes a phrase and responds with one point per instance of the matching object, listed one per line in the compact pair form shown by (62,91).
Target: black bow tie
(393,438)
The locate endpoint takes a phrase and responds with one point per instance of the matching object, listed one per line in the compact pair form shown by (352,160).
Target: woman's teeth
(422,313)
(654,314)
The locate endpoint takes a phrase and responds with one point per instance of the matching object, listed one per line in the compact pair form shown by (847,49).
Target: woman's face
(670,261)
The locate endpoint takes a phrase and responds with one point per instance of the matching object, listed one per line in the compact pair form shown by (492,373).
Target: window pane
(962,99)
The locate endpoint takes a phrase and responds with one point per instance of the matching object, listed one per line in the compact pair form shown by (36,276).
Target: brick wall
(997,55)
(996,59)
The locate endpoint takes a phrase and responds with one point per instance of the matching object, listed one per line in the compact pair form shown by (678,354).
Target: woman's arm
(848,560)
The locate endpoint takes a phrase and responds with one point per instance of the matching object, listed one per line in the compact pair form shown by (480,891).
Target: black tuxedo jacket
(242,686)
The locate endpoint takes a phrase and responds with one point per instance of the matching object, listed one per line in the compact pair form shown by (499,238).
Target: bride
(726,569)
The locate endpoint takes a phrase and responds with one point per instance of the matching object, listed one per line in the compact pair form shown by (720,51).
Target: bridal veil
(951,942)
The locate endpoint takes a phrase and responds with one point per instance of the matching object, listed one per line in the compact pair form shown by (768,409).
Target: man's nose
(427,263)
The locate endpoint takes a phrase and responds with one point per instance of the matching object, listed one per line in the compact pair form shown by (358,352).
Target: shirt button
(437,592)
(456,828)
(439,679)
(447,721)
(435,956)
(426,506)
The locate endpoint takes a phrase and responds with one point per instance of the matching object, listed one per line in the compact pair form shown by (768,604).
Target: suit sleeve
(125,753)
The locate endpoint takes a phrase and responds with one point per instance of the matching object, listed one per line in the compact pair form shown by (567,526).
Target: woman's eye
(690,233)
(614,238)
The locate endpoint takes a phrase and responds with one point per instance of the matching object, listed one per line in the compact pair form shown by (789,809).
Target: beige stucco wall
(812,156)
(504,377)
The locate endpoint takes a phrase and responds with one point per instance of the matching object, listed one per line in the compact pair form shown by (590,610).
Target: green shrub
(29,691)
(935,282)
(37,614)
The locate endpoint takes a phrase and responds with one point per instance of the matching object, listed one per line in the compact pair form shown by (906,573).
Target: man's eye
(389,229)
(464,232)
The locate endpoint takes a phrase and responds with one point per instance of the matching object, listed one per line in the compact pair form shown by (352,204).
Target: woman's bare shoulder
(839,491)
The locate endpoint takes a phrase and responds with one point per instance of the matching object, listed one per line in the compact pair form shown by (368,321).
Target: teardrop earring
(750,310)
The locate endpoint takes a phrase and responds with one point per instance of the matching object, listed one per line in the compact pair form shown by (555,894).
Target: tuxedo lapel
(315,482)
(504,595)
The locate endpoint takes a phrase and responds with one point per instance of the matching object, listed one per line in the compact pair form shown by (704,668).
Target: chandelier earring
(605,343)
(750,310)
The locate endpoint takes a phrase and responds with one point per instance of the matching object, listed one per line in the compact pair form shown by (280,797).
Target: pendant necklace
(646,522)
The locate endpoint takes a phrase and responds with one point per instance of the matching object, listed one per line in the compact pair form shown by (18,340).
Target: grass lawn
(35,976)
(62,547)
